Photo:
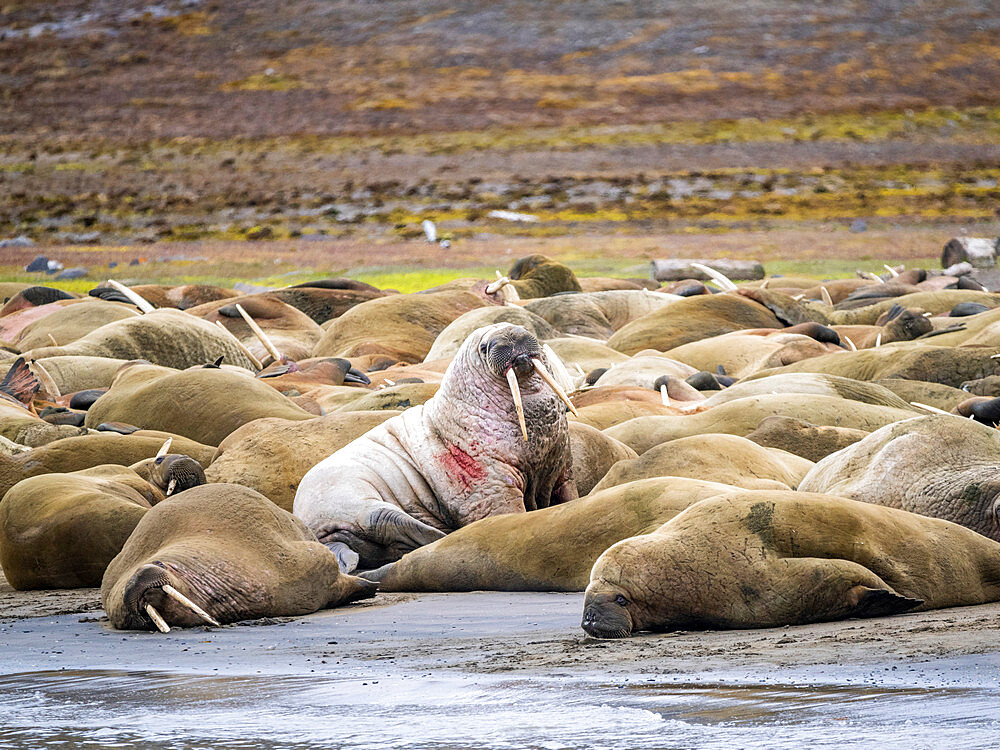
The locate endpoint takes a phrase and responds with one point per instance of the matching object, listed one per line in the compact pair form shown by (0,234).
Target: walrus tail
(20,383)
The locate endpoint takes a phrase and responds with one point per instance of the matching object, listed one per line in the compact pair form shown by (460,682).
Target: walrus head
(175,473)
(606,611)
(511,353)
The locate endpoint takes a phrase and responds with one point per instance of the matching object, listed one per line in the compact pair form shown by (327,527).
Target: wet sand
(500,669)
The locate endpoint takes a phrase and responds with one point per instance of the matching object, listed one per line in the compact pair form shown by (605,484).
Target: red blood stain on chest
(462,467)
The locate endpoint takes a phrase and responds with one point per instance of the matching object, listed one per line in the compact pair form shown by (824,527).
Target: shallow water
(109,708)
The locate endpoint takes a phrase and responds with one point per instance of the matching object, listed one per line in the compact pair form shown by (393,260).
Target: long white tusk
(893,272)
(53,340)
(544,374)
(495,286)
(171,486)
(664,396)
(515,392)
(137,300)
(242,347)
(178,596)
(932,409)
(765,283)
(259,332)
(723,281)
(927,314)
(850,343)
(878,340)
(798,297)
(164,448)
(45,379)
(559,371)
(827,299)
(158,621)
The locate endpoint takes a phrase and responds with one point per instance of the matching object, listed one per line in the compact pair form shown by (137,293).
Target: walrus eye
(483,347)
(621,601)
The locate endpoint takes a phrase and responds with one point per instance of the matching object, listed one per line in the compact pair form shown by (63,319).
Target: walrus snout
(511,347)
(150,598)
(606,616)
(176,473)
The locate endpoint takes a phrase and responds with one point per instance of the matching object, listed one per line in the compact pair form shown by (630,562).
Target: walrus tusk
(664,396)
(495,286)
(544,374)
(798,297)
(827,299)
(137,300)
(515,392)
(171,486)
(850,343)
(932,409)
(878,340)
(53,340)
(45,379)
(242,347)
(164,448)
(722,280)
(558,369)
(764,283)
(893,272)
(927,314)
(158,621)
(259,332)
(179,597)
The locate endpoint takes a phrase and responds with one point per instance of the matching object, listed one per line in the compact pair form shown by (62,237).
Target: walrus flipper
(20,382)
(392,527)
(347,558)
(377,575)
(869,602)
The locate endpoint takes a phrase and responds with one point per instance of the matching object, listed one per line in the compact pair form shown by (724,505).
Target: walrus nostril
(522,364)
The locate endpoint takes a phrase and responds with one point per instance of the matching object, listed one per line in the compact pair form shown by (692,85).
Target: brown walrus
(760,559)
(493,439)
(221,553)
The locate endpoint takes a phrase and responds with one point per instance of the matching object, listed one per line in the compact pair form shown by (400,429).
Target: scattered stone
(78,272)
(19,241)
(134,262)
(676,269)
(859,225)
(40,263)
(260,233)
(981,252)
(959,269)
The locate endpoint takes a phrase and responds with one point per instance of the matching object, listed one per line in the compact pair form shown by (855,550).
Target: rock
(981,252)
(19,241)
(959,269)
(77,272)
(859,225)
(260,233)
(40,263)
(676,269)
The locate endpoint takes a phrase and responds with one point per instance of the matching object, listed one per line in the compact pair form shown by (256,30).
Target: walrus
(62,530)
(760,559)
(940,465)
(493,439)
(221,553)
(552,549)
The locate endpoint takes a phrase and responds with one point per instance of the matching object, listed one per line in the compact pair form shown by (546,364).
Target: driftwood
(677,269)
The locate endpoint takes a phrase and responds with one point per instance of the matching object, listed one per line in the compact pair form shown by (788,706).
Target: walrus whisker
(664,396)
(137,299)
(893,272)
(515,392)
(827,299)
(157,619)
(164,448)
(45,379)
(242,347)
(544,375)
(179,597)
(259,333)
(171,486)
(721,279)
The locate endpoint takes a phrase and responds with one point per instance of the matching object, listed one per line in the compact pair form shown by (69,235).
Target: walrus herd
(694,455)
